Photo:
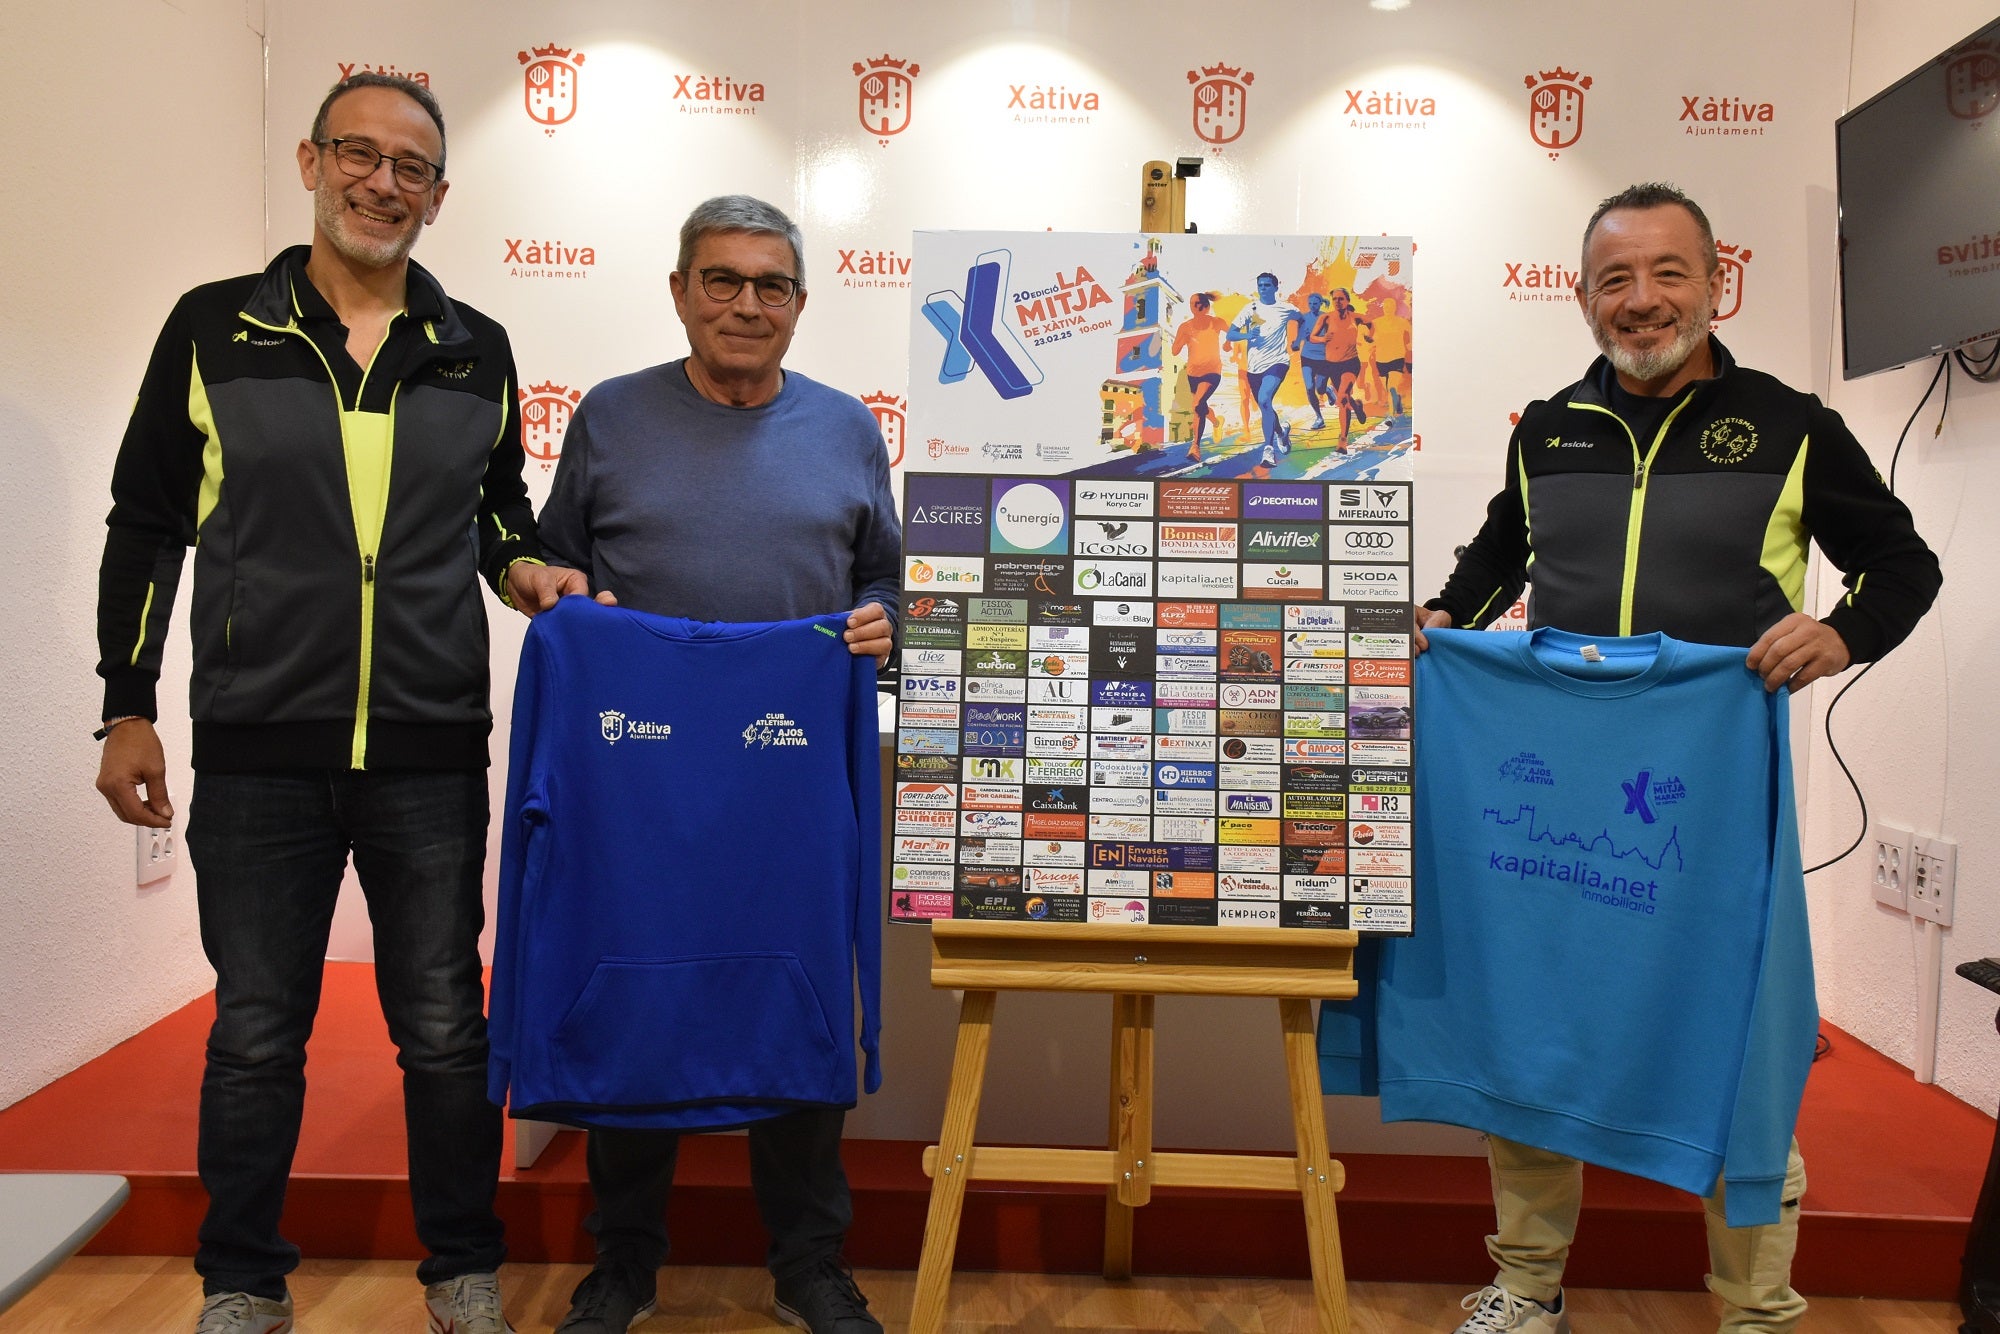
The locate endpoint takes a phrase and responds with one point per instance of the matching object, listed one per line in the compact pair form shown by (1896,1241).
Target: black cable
(1862,836)
(1944,363)
(1985,369)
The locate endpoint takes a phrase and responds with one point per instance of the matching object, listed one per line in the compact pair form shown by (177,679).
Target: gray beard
(331,209)
(1647,366)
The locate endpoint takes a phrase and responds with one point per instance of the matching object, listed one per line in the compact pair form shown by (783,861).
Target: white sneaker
(468,1304)
(241,1313)
(1498,1311)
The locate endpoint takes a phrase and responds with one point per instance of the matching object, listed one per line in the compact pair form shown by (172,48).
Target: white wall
(132,134)
(1921,732)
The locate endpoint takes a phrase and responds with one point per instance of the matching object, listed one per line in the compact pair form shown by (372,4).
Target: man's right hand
(1427,619)
(133,759)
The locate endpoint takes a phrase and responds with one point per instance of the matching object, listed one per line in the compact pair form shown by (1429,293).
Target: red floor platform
(1885,1215)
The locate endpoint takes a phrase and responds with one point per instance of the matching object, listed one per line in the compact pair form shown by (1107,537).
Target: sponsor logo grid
(1155,702)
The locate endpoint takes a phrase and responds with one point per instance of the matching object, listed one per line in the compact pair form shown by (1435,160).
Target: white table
(46,1217)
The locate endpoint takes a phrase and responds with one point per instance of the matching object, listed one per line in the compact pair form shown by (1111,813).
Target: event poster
(1156,660)
(1107,355)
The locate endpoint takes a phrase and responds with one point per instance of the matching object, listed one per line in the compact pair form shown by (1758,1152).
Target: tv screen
(1919,185)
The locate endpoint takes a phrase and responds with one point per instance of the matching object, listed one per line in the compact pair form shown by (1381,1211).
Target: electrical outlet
(1889,869)
(158,851)
(1933,878)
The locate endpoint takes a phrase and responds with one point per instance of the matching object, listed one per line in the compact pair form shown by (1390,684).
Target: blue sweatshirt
(1611,958)
(690,872)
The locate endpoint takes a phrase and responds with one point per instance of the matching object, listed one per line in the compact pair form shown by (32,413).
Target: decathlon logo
(1635,796)
(975,334)
(615,726)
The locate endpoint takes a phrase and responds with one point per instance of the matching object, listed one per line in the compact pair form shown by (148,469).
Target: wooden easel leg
(961,1116)
(1319,1175)
(1131,1131)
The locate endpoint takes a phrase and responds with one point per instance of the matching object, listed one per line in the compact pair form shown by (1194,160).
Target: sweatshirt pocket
(728,1028)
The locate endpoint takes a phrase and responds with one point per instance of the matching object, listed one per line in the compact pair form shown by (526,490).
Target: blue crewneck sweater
(690,876)
(685,507)
(1611,958)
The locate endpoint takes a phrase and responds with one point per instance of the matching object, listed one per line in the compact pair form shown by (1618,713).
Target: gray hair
(1652,194)
(741,213)
(410,88)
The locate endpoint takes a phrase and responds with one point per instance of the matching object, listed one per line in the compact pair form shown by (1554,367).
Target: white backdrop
(1338,119)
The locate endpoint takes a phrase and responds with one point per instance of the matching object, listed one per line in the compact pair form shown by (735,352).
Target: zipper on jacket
(1635,514)
(367,523)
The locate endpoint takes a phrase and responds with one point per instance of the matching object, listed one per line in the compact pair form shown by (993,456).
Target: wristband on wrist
(110,723)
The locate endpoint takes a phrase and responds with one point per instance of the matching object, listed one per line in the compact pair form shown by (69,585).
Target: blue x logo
(974,334)
(1635,795)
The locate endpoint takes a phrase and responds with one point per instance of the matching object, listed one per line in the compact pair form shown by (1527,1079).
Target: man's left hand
(1798,651)
(869,631)
(533,588)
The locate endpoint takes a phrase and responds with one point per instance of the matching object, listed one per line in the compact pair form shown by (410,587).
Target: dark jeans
(269,850)
(795,1173)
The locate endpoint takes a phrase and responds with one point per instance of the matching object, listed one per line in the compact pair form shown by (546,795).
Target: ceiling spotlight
(1388,6)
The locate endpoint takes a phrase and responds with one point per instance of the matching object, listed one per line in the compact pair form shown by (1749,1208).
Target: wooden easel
(1134,964)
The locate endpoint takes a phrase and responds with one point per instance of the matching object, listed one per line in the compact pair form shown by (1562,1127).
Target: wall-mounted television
(1919,182)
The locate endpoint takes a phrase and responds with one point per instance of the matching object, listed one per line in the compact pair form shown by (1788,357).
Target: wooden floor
(145,1295)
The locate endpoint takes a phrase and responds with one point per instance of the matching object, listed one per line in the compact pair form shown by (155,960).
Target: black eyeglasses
(773,289)
(359,160)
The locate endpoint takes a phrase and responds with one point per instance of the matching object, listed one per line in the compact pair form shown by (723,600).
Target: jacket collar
(284,296)
(1595,386)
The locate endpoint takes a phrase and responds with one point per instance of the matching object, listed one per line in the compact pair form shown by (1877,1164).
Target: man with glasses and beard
(726,487)
(1671,489)
(339,441)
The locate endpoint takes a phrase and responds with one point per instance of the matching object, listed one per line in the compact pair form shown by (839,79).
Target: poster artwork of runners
(1156,583)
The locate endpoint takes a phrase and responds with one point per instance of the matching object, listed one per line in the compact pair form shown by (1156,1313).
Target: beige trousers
(1537,1196)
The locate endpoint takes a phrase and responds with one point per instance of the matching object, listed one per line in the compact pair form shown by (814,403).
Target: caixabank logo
(1733,260)
(1555,108)
(545,414)
(885,85)
(1972,81)
(890,412)
(1221,102)
(549,78)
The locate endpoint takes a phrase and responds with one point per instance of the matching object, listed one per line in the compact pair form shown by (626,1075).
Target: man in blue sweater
(723,487)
